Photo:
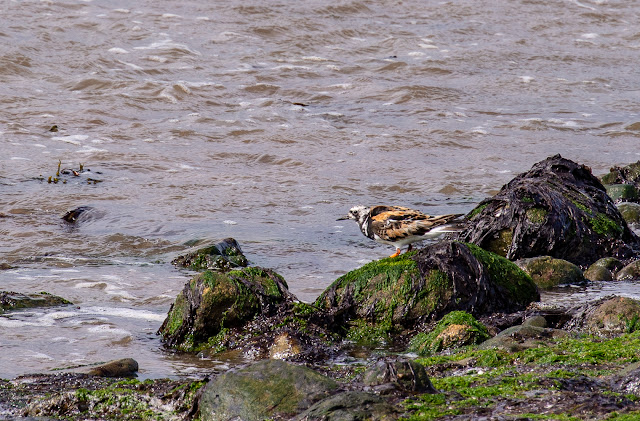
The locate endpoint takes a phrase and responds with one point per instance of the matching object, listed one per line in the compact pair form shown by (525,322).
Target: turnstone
(399,226)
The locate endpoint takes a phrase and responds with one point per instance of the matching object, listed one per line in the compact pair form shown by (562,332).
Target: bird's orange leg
(396,254)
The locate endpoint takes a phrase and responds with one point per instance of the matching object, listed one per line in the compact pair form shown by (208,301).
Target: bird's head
(357,213)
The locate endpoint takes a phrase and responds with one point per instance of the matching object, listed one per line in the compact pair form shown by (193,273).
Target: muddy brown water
(265,121)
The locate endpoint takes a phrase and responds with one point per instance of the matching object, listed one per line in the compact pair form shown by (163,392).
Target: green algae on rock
(221,256)
(558,209)
(455,330)
(214,301)
(265,390)
(17,301)
(548,272)
(391,295)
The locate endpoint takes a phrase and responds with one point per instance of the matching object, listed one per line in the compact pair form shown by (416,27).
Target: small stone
(284,346)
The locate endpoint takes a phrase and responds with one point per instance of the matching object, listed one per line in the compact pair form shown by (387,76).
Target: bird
(399,226)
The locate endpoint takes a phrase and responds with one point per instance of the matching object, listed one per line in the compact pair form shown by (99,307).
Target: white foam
(74,139)
(229,222)
(118,50)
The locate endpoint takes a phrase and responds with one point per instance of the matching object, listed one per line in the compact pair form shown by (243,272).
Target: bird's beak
(343,218)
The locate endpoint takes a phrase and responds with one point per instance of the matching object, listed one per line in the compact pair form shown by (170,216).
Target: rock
(524,336)
(535,321)
(630,272)
(16,301)
(408,376)
(264,390)
(222,256)
(348,406)
(399,293)
(125,367)
(598,273)
(622,192)
(630,212)
(548,272)
(627,382)
(629,174)
(213,301)
(285,346)
(609,316)
(557,209)
(455,330)
(81,212)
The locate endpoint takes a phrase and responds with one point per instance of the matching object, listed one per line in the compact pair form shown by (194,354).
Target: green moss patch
(466,331)
(493,376)
(506,274)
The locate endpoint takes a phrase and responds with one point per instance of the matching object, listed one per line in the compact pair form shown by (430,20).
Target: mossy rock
(394,294)
(212,302)
(614,316)
(548,272)
(622,192)
(603,269)
(630,272)
(269,389)
(10,301)
(630,212)
(628,174)
(558,209)
(598,274)
(222,256)
(456,329)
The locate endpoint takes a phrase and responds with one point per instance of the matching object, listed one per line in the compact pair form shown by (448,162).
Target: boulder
(222,256)
(352,405)
(630,212)
(558,209)
(532,333)
(630,272)
(213,301)
(608,316)
(400,293)
(548,272)
(625,179)
(265,390)
(16,301)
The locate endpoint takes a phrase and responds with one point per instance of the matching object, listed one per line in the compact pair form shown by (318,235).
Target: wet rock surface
(222,256)
(558,209)
(266,389)
(548,272)
(10,301)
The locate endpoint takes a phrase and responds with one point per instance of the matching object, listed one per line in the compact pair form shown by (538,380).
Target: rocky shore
(452,331)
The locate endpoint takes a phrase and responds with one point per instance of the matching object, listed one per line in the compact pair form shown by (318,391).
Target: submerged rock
(548,272)
(401,293)
(222,256)
(212,302)
(265,390)
(17,301)
(558,209)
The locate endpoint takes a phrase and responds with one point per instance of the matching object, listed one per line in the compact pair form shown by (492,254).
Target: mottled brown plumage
(399,226)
